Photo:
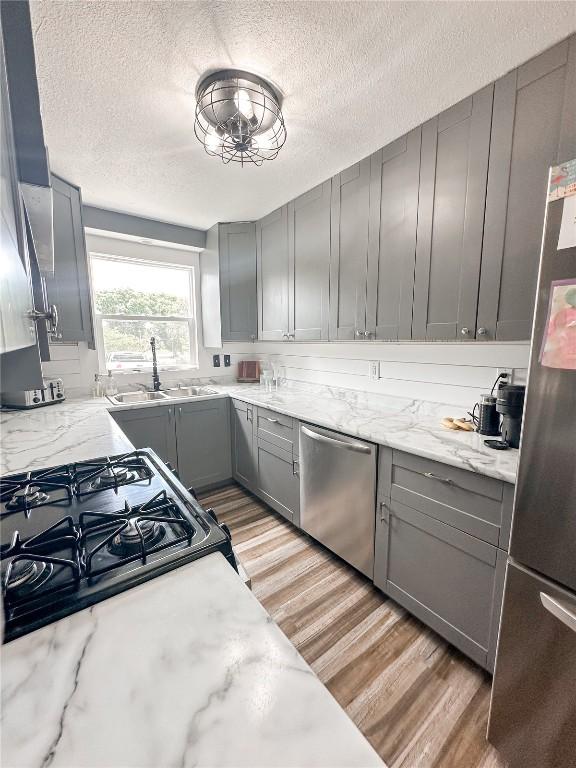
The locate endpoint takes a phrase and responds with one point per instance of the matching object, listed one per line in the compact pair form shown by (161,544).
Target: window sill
(148,371)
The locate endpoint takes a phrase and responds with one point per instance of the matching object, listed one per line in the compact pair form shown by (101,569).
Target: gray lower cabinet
(453,172)
(278,483)
(69,287)
(238,301)
(265,456)
(242,434)
(151,427)
(394,178)
(203,442)
(273,275)
(436,550)
(193,437)
(534,127)
(309,264)
(349,259)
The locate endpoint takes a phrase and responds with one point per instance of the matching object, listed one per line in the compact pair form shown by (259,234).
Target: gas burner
(26,491)
(136,532)
(112,476)
(24,576)
(106,473)
(26,497)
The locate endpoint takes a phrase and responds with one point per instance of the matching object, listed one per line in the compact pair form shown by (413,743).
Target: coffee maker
(510,405)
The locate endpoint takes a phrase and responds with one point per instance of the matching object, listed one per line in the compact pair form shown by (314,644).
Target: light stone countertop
(82,429)
(185,670)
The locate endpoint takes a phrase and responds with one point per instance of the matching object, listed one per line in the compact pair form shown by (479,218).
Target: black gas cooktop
(75,534)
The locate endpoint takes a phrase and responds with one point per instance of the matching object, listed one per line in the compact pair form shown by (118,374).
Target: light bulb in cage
(238,117)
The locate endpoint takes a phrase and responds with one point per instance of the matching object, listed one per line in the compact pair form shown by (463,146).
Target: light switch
(374,370)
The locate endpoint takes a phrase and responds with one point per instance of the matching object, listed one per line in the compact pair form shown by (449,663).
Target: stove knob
(36,399)
(212,514)
(226,530)
(193,492)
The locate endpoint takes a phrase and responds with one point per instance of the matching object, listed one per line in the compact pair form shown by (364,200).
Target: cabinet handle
(465,331)
(359,334)
(180,410)
(432,476)
(169,414)
(296,468)
(482,331)
(274,421)
(384,513)
(249,414)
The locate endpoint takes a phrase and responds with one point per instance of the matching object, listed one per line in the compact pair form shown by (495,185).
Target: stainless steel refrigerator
(533,707)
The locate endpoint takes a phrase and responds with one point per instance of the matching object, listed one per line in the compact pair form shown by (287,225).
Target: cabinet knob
(285,335)
(252,337)
(368,334)
(359,334)
(465,331)
(291,335)
(482,331)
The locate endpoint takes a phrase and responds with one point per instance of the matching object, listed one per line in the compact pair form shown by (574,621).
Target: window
(135,300)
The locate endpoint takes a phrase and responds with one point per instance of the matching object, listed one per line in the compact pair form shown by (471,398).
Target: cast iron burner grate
(34,564)
(29,490)
(133,533)
(94,476)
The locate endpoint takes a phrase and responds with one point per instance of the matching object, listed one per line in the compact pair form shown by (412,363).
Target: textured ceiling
(117,84)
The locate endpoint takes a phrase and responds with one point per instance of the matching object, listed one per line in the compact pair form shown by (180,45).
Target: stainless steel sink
(189,392)
(136,397)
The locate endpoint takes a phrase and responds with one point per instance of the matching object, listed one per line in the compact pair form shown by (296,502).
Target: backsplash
(454,373)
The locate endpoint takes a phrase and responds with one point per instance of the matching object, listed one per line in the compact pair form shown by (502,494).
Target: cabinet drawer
(470,502)
(449,579)
(276,428)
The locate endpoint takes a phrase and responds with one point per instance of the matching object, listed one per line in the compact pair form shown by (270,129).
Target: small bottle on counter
(110,387)
(97,386)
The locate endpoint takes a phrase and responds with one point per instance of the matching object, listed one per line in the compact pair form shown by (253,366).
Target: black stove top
(75,534)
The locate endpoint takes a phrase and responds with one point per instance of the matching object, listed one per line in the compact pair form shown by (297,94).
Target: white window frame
(191,319)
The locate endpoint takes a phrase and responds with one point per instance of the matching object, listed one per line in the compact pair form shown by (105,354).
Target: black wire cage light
(238,117)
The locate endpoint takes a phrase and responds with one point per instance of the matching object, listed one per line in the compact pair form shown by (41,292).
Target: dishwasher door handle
(356,447)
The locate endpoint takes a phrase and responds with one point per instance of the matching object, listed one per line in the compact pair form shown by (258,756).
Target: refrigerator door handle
(560,609)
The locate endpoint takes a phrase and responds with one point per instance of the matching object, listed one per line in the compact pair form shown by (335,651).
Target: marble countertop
(185,670)
(75,430)
(82,429)
(410,425)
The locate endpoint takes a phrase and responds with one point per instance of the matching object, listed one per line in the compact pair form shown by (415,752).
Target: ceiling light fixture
(238,117)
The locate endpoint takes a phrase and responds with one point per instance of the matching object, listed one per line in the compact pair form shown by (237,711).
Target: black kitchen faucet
(155,378)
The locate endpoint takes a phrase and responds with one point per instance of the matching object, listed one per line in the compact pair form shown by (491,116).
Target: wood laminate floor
(419,702)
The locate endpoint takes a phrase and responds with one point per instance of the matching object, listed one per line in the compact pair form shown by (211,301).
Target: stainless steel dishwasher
(338,494)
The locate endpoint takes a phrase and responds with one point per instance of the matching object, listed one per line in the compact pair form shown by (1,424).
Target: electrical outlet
(226,361)
(509,372)
(374,370)
(216,361)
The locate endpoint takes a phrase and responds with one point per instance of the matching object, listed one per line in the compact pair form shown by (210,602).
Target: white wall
(454,373)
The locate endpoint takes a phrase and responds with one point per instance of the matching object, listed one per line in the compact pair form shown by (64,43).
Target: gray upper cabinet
(203,442)
(534,126)
(237,251)
(273,275)
(348,269)
(454,166)
(309,264)
(69,288)
(394,178)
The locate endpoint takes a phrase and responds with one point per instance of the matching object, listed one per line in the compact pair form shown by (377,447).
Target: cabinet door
(238,303)
(69,288)
(448,579)
(394,177)
(309,253)
(243,464)
(16,329)
(533,128)
(151,427)
(273,275)
(349,230)
(278,481)
(203,442)
(454,164)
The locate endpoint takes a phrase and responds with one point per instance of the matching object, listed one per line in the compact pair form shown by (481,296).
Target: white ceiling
(117,84)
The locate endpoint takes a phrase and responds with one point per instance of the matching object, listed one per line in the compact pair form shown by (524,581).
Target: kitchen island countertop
(185,670)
